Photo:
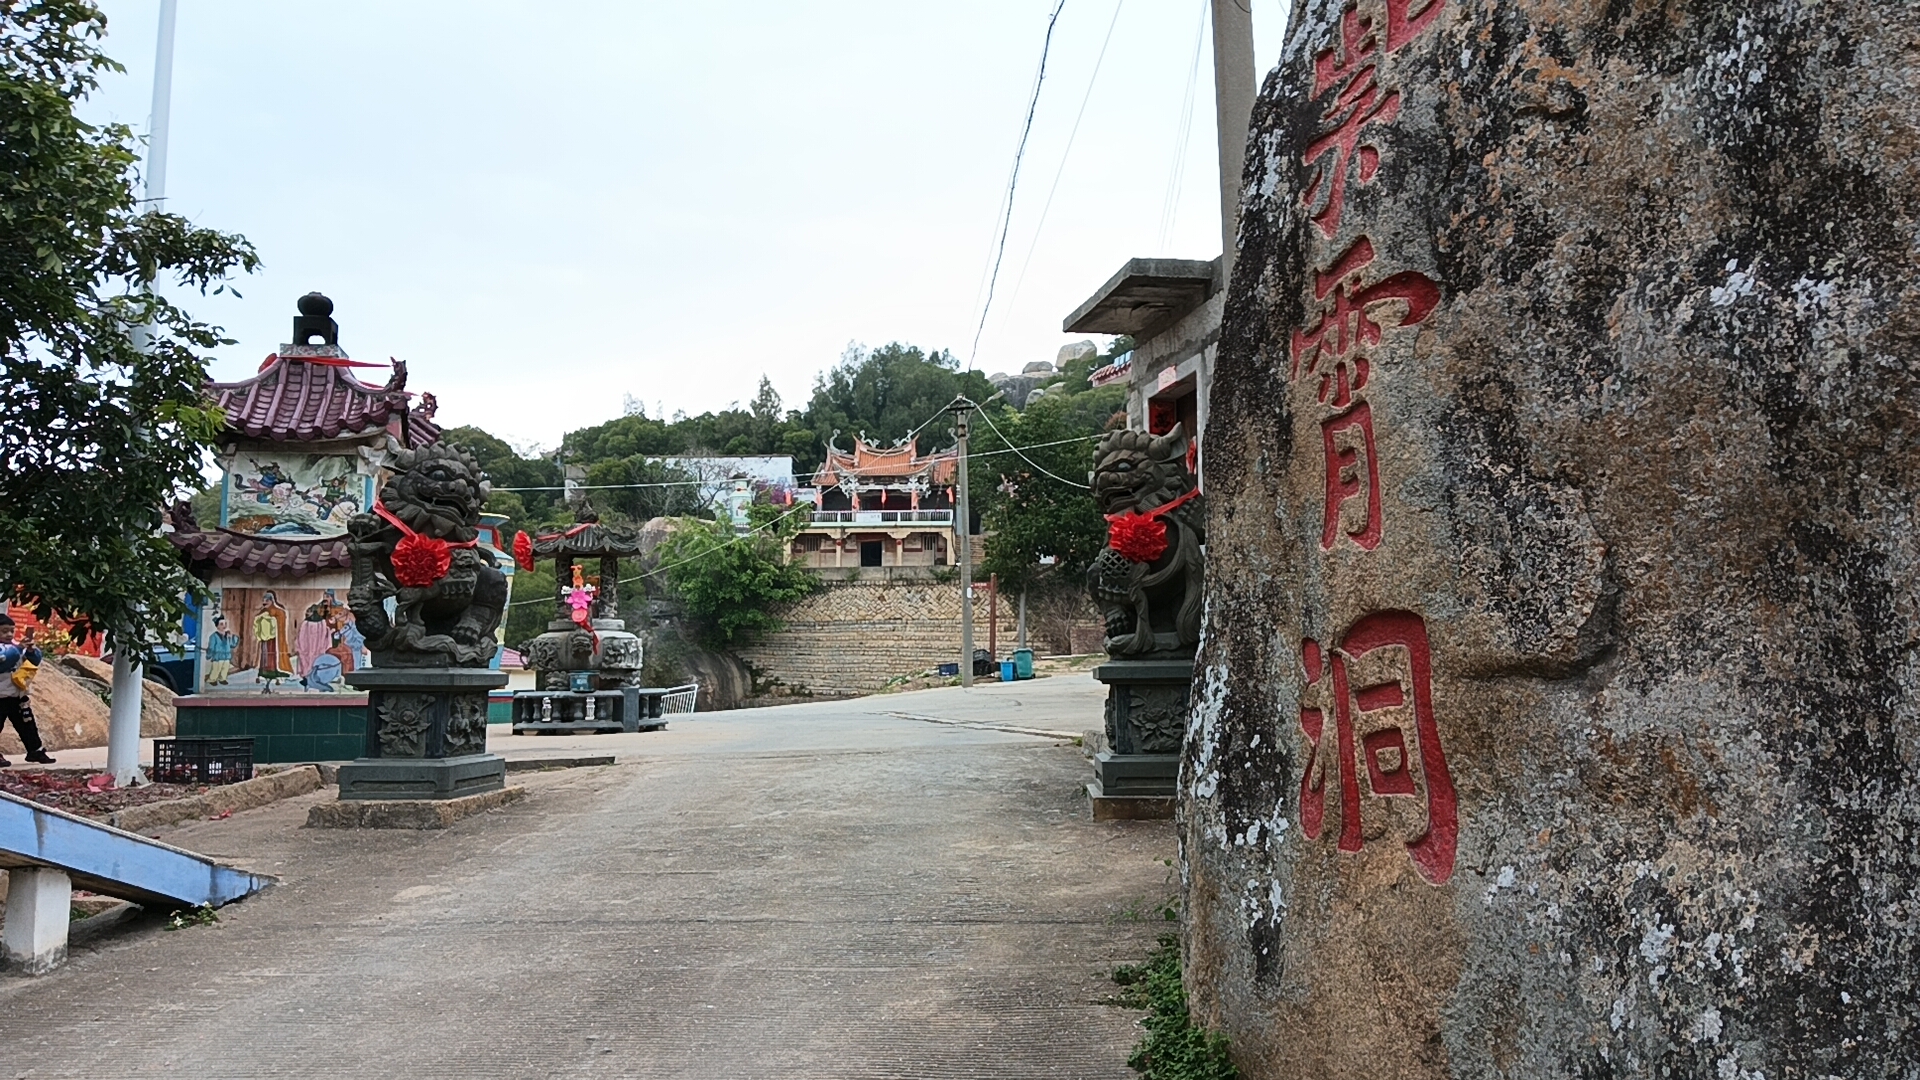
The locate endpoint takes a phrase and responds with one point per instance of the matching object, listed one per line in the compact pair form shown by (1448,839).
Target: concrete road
(898,886)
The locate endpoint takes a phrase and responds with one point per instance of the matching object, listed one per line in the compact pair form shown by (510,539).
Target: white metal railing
(883,517)
(679,699)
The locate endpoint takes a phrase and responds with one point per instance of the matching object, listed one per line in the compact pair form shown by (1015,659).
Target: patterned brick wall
(853,636)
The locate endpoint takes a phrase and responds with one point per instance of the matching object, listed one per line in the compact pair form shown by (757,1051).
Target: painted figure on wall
(304,628)
(308,495)
(220,649)
(272,658)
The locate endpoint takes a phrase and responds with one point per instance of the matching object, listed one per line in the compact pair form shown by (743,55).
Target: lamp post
(123,712)
(962,410)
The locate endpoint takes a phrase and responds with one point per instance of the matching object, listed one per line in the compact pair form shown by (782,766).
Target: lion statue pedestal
(1146,585)
(427,690)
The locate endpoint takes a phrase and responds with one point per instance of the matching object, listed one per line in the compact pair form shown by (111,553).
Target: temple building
(303,451)
(879,508)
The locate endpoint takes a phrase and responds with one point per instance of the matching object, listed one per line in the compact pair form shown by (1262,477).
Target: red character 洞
(1377,687)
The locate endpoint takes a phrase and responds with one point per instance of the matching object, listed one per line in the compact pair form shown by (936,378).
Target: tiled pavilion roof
(316,398)
(207,550)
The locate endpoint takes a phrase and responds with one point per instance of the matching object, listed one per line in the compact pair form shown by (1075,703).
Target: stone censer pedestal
(1146,711)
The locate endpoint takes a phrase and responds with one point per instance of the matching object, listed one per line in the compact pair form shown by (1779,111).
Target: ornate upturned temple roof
(587,540)
(869,464)
(307,392)
(207,550)
(307,398)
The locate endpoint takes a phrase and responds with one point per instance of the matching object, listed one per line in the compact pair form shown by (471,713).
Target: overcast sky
(668,200)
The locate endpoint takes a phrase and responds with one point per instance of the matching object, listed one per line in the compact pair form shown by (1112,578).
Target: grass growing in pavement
(1174,1047)
(197,916)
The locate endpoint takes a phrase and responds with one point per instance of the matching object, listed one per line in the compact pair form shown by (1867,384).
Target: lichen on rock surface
(1557,712)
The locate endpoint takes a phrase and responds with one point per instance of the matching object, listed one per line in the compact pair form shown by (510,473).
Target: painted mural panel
(281,640)
(270,493)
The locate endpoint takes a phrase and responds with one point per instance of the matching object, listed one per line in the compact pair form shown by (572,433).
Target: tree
(505,468)
(673,492)
(889,392)
(95,434)
(1028,514)
(729,583)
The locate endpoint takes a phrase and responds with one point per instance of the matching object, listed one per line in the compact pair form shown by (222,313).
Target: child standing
(17,662)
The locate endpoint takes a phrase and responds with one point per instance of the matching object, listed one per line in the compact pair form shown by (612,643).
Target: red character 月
(1378,686)
(1352,65)
(1352,463)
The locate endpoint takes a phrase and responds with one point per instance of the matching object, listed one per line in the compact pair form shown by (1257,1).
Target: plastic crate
(202,761)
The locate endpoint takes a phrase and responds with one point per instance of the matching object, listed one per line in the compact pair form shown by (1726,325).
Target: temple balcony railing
(844,518)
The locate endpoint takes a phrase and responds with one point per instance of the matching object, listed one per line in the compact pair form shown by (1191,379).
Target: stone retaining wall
(852,636)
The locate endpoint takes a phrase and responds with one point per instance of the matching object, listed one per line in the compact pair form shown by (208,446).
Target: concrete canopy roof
(1144,296)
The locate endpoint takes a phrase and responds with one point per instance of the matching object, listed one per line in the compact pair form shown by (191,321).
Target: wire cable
(1183,137)
(1023,457)
(1006,222)
(1068,152)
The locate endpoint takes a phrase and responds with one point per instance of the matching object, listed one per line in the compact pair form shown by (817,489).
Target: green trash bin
(1023,663)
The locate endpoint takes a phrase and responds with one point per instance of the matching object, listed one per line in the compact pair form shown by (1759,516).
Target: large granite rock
(1556,715)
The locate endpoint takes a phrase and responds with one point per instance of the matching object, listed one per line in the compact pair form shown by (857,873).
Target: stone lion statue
(418,547)
(1146,583)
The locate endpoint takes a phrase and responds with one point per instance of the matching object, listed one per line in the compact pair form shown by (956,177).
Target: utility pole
(1233,91)
(123,711)
(962,410)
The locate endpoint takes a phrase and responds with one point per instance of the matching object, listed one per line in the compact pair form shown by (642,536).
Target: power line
(1068,152)
(1028,460)
(730,541)
(1183,136)
(1013,181)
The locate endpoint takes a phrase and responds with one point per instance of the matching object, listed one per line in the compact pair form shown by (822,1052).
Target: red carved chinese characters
(1373,756)
(1377,686)
(1335,350)
(1352,66)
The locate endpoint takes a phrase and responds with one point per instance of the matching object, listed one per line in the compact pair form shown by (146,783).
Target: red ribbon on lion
(419,560)
(1139,537)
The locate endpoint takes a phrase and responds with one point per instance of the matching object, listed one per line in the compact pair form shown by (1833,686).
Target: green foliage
(1174,1048)
(505,468)
(204,915)
(1027,513)
(680,499)
(759,429)
(535,594)
(728,583)
(96,434)
(889,392)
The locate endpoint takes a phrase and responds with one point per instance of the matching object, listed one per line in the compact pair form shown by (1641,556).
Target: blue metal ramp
(106,860)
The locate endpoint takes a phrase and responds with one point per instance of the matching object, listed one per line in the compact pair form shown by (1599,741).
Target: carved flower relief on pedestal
(1158,719)
(404,719)
(467,725)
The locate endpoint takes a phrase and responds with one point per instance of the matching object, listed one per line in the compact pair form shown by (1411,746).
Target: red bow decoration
(1142,538)
(418,560)
(522,551)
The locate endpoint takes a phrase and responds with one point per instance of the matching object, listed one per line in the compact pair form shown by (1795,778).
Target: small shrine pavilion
(304,444)
(879,508)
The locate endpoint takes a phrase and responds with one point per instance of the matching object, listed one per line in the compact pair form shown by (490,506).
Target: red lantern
(522,551)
